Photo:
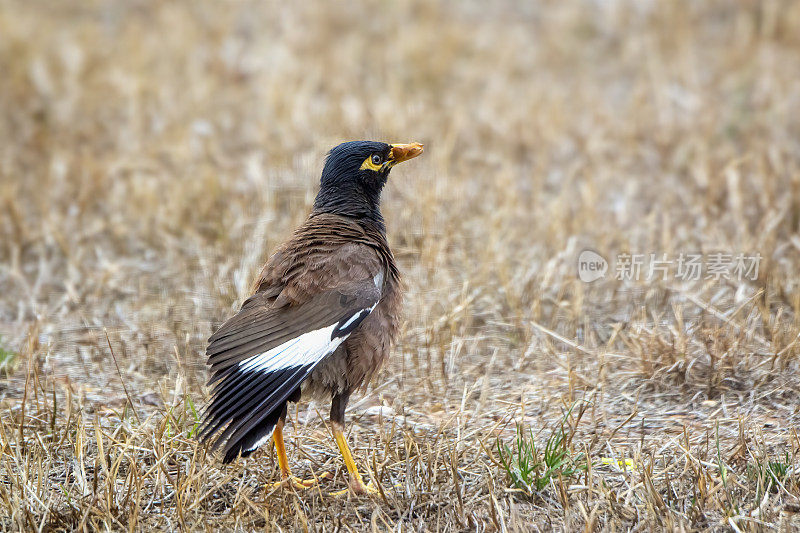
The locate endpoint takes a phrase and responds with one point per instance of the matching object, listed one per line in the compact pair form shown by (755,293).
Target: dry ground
(152,153)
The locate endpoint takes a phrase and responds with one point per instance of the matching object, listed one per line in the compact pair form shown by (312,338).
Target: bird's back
(358,359)
(355,363)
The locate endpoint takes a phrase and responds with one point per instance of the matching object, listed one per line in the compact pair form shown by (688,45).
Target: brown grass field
(152,153)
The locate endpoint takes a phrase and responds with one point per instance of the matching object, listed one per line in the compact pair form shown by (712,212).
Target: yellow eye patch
(369,165)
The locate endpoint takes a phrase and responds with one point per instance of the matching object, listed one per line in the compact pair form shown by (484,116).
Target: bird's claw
(359,489)
(298,483)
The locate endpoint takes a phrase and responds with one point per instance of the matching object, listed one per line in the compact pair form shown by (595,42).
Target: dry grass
(152,153)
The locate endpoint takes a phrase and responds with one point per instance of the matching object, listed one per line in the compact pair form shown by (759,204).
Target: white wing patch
(305,349)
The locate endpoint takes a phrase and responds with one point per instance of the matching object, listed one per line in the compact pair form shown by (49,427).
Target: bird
(321,319)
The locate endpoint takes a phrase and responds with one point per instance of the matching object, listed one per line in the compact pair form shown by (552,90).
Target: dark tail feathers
(248,443)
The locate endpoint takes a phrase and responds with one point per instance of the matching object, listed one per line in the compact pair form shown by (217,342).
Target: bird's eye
(377,159)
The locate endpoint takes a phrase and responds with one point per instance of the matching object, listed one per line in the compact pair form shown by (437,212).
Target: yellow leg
(283,463)
(280,449)
(356,483)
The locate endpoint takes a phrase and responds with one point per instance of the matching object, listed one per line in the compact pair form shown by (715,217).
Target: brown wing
(311,295)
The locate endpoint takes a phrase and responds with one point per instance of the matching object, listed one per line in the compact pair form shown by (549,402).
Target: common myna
(322,316)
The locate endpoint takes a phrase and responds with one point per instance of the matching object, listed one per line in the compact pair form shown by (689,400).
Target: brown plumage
(322,317)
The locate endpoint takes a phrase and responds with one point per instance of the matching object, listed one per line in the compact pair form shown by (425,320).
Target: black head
(354,175)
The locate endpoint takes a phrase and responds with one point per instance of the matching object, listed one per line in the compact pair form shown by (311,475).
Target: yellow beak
(404,152)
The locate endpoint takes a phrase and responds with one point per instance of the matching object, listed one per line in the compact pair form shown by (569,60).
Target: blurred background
(152,153)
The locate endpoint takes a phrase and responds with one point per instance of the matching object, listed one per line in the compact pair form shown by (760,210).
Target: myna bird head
(355,173)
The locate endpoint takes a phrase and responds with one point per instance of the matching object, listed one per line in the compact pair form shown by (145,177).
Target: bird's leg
(280,449)
(356,482)
(337,425)
(283,462)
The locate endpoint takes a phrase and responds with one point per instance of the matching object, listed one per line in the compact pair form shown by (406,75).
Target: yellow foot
(359,489)
(300,484)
